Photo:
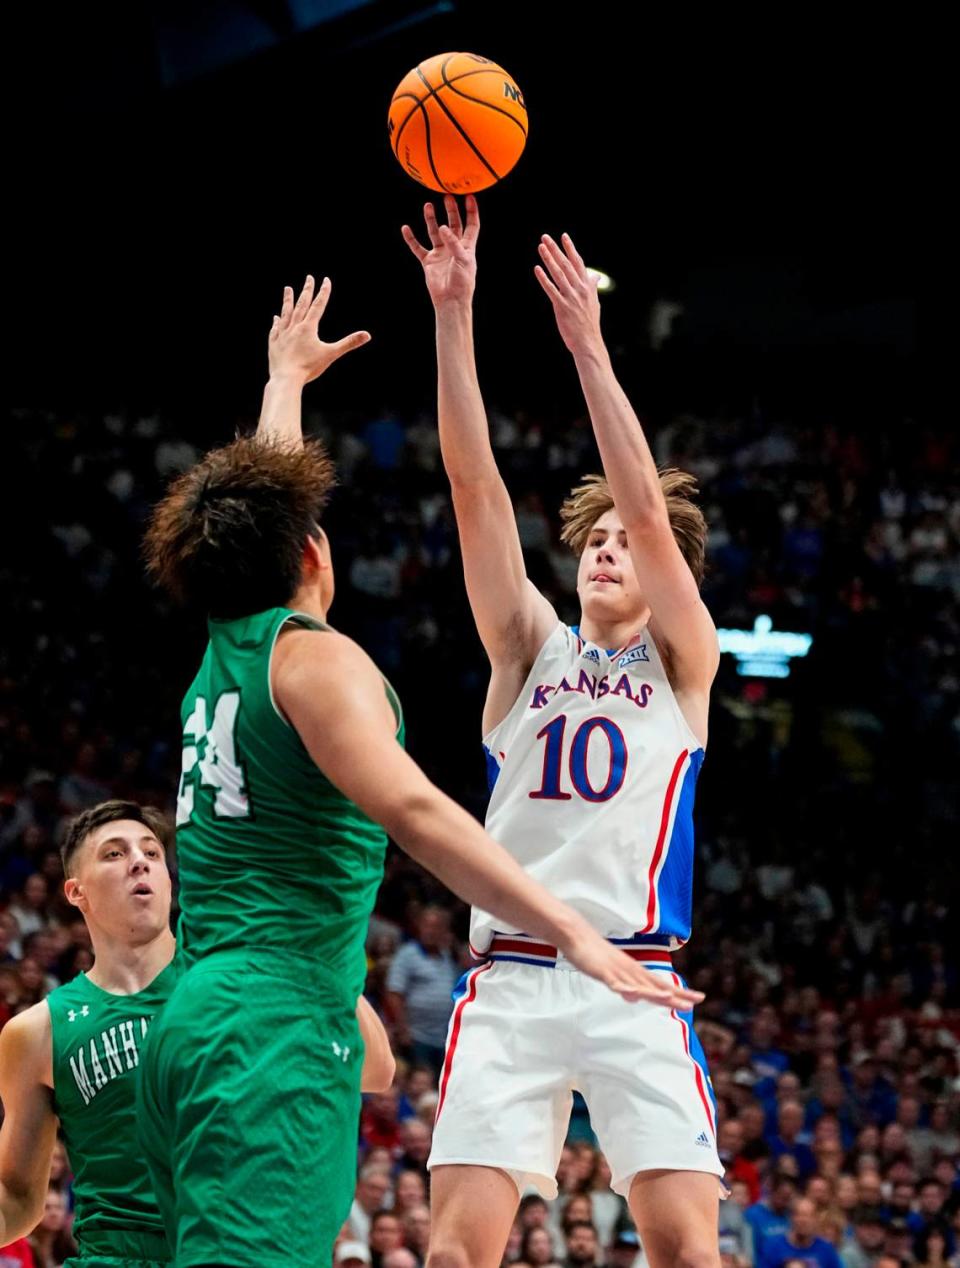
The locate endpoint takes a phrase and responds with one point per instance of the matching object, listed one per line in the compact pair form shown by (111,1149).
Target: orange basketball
(457,123)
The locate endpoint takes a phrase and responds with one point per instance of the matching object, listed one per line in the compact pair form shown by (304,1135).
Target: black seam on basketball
(433,166)
(453,119)
(484,70)
(406,119)
(448,83)
(465,74)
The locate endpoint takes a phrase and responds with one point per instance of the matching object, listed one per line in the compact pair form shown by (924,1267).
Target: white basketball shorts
(524,1035)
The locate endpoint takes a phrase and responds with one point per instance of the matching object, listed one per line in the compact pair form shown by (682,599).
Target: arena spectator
(415,1140)
(931,1246)
(351,1255)
(788,1139)
(419,987)
(386,1234)
(50,1241)
(730,1141)
(401,1258)
(869,1235)
(899,1240)
(583,1246)
(536,1248)
(416,1230)
(936,1140)
(30,909)
(799,1242)
(373,1185)
(770,1217)
(408,1190)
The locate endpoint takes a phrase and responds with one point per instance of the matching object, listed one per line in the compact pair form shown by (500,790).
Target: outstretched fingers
(410,238)
(348,343)
(573,255)
(320,301)
(562,270)
(551,291)
(472,231)
(304,299)
(453,214)
(454,245)
(430,220)
(283,321)
(635,983)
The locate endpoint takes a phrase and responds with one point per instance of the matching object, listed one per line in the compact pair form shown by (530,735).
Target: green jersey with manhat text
(98,1038)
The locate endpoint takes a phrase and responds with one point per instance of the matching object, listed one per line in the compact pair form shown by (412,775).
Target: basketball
(457,123)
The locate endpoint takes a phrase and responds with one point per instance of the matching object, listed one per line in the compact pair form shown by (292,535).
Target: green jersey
(271,854)
(97,1044)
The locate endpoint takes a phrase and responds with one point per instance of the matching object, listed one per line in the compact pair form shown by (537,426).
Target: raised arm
(513,619)
(296,357)
(679,618)
(29,1129)
(333,696)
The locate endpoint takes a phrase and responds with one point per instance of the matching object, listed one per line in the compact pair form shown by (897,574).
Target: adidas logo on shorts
(703,1139)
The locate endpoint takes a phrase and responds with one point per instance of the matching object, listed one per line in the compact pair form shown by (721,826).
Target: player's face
(121,882)
(606,582)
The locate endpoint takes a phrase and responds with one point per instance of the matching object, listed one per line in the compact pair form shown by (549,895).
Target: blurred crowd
(825,929)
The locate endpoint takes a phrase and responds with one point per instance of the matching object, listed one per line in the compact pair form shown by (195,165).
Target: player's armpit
(29,1129)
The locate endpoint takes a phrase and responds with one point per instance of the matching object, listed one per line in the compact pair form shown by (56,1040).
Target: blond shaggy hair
(592,498)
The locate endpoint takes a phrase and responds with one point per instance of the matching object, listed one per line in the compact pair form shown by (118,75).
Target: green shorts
(120,1248)
(248,1111)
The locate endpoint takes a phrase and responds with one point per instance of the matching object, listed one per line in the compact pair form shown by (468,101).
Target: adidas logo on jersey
(703,1139)
(592,654)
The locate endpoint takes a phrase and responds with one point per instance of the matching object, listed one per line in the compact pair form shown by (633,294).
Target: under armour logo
(72,1015)
(342,1053)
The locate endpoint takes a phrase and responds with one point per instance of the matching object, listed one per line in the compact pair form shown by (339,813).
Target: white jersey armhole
(695,742)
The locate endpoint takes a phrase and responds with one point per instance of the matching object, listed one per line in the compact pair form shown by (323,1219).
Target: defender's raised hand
(294,347)
(450,265)
(572,291)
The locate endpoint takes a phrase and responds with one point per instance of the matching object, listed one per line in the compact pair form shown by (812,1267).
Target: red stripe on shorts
(455,1032)
(696,1064)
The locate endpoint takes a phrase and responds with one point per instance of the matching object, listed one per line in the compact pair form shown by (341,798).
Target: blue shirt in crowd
(780,1250)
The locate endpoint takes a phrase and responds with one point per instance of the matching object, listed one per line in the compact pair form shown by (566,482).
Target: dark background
(174,164)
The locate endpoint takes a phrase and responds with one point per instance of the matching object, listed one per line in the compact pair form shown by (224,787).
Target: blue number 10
(553,735)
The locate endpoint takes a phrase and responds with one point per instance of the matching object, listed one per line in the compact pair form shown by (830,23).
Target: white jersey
(595,769)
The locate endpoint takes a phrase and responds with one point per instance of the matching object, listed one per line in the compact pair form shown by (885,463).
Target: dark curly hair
(227,537)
